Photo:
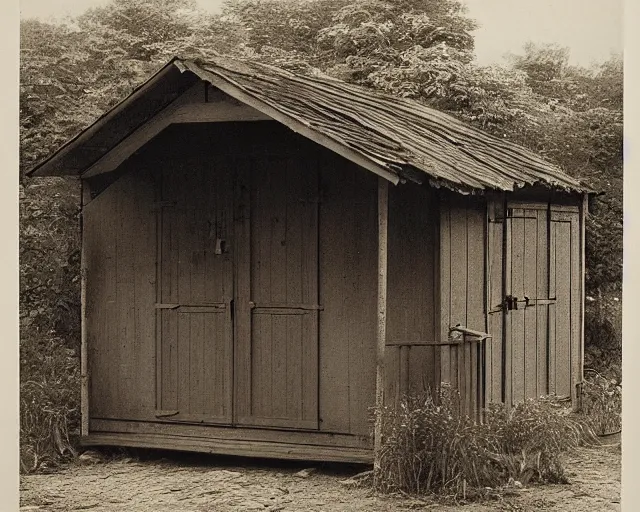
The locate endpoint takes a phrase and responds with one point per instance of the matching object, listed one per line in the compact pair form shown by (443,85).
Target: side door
(533,313)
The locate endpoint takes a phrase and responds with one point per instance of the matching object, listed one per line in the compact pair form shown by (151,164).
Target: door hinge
(166,414)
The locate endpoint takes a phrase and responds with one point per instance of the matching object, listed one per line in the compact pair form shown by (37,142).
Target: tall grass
(429,447)
(49,402)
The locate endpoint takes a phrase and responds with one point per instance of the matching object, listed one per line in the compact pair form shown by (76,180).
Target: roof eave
(50,165)
(88,140)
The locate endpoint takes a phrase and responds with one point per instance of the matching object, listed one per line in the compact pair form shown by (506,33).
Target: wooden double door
(237,293)
(534,301)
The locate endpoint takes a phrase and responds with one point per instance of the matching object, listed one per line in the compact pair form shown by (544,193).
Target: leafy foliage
(70,74)
(49,321)
(603,331)
(582,131)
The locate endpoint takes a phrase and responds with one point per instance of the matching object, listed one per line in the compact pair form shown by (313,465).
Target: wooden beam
(235,447)
(383,229)
(84,374)
(212,431)
(85,194)
(506,232)
(584,211)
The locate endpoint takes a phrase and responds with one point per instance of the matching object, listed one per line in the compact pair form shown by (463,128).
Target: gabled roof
(394,137)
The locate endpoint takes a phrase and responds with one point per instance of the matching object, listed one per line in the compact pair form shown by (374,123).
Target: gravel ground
(159,482)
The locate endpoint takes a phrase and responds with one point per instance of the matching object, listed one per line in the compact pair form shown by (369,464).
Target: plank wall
(462,286)
(121,258)
(348,287)
(119,242)
(411,319)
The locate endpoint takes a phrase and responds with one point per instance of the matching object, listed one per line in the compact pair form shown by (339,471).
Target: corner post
(85,197)
(584,211)
(383,228)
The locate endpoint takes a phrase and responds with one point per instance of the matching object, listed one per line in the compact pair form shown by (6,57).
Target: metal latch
(511,302)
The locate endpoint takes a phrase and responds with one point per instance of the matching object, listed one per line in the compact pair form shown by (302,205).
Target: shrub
(428,446)
(603,336)
(49,322)
(528,439)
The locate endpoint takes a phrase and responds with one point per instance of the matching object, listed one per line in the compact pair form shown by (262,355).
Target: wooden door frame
(242,287)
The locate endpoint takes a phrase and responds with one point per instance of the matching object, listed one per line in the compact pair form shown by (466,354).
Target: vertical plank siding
(494,354)
(232,281)
(541,263)
(85,196)
(284,294)
(119,240)
(476,303)
(411,298)
(243,381)
(348,245)
(196,279)
(542,313)
(462,289)
(444,287)
(517,324)
(566,262)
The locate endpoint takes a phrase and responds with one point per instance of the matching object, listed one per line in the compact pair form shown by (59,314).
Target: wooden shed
(266,256)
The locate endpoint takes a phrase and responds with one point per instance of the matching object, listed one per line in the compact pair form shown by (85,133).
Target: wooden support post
(85,197)
(505,250)
(584,211)
(383,225)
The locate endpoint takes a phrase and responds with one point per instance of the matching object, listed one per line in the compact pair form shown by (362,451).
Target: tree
(364,42)
(583,132)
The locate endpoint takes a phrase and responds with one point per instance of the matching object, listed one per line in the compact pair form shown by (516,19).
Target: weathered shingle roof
(396,137)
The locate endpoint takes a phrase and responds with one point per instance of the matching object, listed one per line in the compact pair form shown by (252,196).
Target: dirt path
(190,483)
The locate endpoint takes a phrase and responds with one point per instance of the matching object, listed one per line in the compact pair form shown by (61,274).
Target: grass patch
(428,447)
